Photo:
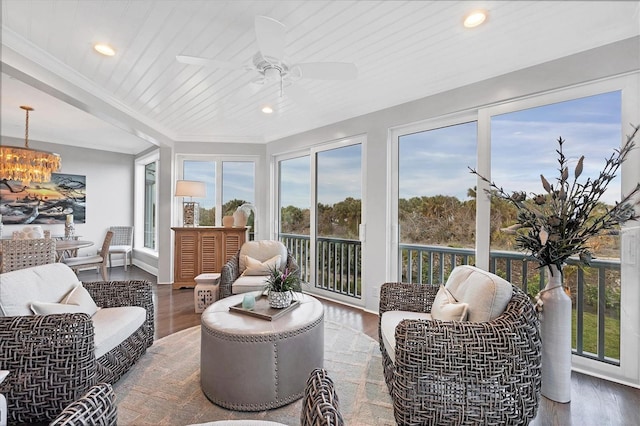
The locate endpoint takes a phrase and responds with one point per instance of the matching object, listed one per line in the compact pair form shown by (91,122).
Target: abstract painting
(43,203)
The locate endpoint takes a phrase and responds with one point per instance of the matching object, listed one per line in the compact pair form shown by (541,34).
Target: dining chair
(122,243)
(98,261)
(20,254)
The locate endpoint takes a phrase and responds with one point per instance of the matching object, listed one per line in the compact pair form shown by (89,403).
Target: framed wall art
(44,203)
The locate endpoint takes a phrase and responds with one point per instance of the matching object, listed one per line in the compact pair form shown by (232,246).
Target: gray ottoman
(252,364)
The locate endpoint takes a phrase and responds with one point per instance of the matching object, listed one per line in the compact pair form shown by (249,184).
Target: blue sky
(523,146)
(435,162)
(237,177)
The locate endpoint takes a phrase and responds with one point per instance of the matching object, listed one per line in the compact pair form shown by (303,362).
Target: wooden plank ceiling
(404,50)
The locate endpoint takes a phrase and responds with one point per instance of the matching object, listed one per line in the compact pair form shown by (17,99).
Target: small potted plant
(280,287)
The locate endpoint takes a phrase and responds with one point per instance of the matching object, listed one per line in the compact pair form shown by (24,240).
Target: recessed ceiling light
(104,49)
(267,109)
(475,18)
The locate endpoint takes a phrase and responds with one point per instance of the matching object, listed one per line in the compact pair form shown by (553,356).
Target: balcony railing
(594,290)
(339,263)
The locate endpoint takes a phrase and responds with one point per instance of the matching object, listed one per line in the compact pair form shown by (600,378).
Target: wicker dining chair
(98,261)
(20,254)
(122,243)
(461,372)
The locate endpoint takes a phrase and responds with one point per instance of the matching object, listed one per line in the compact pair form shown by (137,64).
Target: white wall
(109,189)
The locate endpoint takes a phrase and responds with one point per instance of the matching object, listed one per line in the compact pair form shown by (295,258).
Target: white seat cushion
(84,260)
(388,323)
(245,284)
(239,423)
(119,249)
(113,325)
(487,294)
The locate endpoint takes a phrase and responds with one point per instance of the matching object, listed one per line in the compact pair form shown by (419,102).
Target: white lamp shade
(190,188)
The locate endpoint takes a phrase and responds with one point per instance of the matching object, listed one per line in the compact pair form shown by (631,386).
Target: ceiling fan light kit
(269,62)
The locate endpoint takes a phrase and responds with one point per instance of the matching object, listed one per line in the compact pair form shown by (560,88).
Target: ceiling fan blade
(212,63)
(270,35)
(328,70)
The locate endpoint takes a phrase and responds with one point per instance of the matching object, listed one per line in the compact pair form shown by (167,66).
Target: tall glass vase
(555,329)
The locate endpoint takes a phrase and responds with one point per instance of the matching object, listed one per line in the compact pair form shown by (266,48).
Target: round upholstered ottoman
(253,364)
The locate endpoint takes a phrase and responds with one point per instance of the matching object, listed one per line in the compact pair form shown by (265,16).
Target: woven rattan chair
(230,271)
(96,407)
(97,261)
(320,405)
(460,372)
(122,243)
(51,358)
(20,254)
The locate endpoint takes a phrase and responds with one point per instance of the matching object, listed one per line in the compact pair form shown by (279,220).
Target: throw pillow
(255,267)
(446,308)
(79,296)
(46,308)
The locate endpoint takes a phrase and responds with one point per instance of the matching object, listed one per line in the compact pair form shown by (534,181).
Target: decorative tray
(263,310)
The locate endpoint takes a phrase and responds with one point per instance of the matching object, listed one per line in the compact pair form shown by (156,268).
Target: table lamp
(190,209)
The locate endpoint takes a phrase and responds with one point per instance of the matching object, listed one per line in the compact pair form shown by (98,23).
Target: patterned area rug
(163,388)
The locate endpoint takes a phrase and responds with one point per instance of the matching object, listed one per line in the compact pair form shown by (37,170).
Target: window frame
(139,202)
(629,86)
(218,160)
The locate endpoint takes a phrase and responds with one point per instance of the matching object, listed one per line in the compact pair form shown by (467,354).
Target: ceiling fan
(270,66)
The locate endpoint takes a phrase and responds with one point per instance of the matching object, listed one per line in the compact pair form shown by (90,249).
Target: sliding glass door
(319,214)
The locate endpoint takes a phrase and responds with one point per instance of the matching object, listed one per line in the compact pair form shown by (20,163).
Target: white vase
(555,330)
(239,219)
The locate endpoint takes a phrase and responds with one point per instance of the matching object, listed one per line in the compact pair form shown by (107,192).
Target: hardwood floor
(595,402)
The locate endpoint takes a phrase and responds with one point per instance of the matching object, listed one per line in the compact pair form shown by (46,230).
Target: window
(146,203)
(204,171)
(230,182)
(436,201)
(523,146)
(150,194)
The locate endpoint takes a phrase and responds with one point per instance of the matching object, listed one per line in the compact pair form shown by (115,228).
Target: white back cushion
(486,294)
(262,250)
(44,283)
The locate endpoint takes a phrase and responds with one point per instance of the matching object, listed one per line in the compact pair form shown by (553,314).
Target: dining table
(69,248)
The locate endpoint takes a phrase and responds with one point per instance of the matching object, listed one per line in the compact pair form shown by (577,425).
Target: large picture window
(230,182)
(523,146)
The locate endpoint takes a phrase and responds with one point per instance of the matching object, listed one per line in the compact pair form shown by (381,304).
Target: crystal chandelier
(26,164)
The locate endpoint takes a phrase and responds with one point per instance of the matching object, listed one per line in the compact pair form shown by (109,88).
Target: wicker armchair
(51,358)
(459,372)
(230,271)
(20,254)
(97,407)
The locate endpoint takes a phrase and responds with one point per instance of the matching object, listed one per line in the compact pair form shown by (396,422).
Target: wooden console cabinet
(203,249)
